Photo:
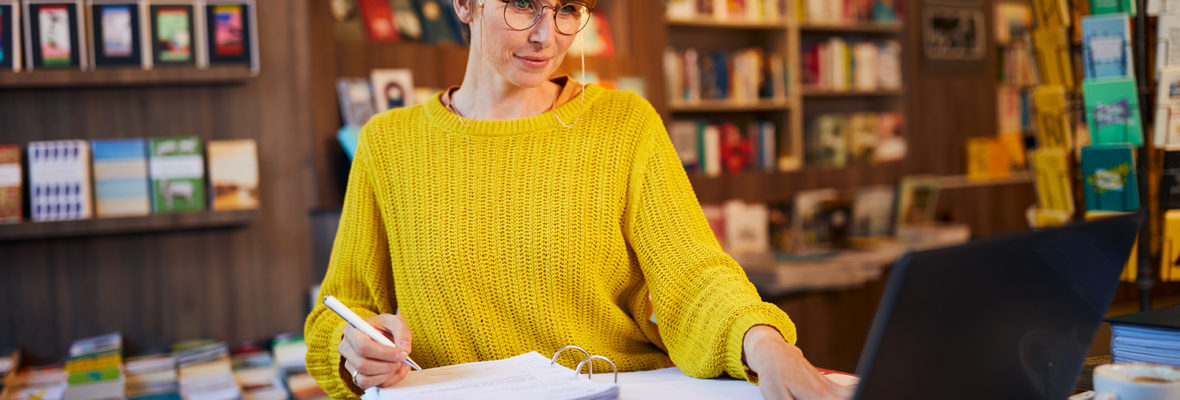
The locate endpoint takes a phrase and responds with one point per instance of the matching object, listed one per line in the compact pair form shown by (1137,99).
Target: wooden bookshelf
(814,92)
(127,225)
(726,24)
(863,28)
(764,187)
(727,106)
(126,77)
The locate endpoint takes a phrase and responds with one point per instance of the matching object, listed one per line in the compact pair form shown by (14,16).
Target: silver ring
(354,381)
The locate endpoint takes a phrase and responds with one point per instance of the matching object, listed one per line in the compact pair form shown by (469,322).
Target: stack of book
(740,76)
(848,11)
(256,373)
(746,10)
(836,140)
(96,368)
(836,64)
(44,383)
(289,354)
(152,377)
(711,149)
(1150,336)
(206,372)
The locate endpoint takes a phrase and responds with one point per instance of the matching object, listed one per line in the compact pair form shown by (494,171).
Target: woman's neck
(490,97)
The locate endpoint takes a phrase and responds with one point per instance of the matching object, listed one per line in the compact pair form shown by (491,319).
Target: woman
(519,213)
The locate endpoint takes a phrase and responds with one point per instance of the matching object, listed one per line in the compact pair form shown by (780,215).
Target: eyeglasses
(568,17)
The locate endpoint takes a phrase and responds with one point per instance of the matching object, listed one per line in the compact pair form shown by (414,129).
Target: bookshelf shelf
(859,28)
(127,77)
(764,187)
(851,93)
(127,225)
(728,106)
(726,24)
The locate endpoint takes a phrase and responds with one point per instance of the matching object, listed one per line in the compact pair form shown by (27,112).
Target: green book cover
(1113,7)
(1112,111)
(1108,173)
(177,168)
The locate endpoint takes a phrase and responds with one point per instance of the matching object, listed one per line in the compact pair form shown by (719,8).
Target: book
(1151,336)
(1053,57)
(863,137)
(810,220)
(436,23)
(1012,144)
(1170,181)
(891,146)
(1052,116)
(1170,253)
(230,32)
(684,139)
(120,178)
(10,36)
(174,27)
(205,370)
(348,25)
(1112,111)
(987,159)
(408,20)
(1158,8)
(781,228)
(826,142)
(709,140)
(256,373)
(872,211)
(1051,13)
(11,184)
(356,100)
(1052,179)
(1113,6)
(767,140)
(115,33)
(152,376)
(392,88)
(736,149)
(1167,50)
(59,180)
(1106,46)
(745,227)
(95,368)
(54,31)
(595,39)
(499,379)
(1108,174)
(379,22)
(177,169)
(917,201)
(1167,109)
(233,174)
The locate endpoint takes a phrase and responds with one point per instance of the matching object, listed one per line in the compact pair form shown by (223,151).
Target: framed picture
(53,34)
(10,54)
(116,33)
(917,201)
(952,33)
(175,32)
(392,88)
(230,32)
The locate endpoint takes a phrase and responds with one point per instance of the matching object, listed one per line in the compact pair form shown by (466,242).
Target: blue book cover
(1112,111)
(1108,173)
(59,180)
(1106,46)
(121,178)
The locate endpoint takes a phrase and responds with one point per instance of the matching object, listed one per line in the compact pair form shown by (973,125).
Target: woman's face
(525,58)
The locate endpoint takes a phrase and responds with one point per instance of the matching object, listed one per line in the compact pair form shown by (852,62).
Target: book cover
(1052,179)
(1112,111)
(684,139)
(863,137)
(11,184)
(392,88)
(891,146)
(745,227)
(1051,12)
(10,37)
(872,211)
(1157,8)
(53,35)
(1167,109)
(917,200)
(231,32)
(768,146)
(827,142)
(710,143)
(121,178)
(1052,116)
(782,232)
(356,100)
(233,174)
(735,149)
(1106,46)
(1052,56)
(407,19)
(1170,254)
(173,34)
(1170,181)
(436,24)
(1113,6)
(177,169)
(1167,46)
(1108,173)
(115,34)
(379,23)
(59,180)
(987,159)
(810,220)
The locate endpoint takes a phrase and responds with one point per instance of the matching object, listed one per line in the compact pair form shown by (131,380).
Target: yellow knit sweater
(514,236)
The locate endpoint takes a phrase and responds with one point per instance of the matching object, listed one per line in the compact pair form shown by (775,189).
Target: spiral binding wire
(588,359)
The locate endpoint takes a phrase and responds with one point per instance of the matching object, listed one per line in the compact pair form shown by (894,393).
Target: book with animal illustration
(177,168)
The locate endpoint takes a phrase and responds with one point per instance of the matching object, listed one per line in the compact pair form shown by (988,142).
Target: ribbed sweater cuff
(761,314)
(332,363)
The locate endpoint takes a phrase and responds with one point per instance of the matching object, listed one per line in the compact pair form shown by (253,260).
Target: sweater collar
(443,118)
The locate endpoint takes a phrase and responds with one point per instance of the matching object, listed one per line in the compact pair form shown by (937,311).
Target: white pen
(358,323)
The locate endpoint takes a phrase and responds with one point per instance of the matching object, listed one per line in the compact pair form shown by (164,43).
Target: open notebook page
(526,377)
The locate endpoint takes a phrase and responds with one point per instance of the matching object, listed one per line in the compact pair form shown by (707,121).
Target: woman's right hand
(371,363)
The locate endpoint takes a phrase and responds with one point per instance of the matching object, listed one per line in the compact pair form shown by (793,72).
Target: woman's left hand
(783,372)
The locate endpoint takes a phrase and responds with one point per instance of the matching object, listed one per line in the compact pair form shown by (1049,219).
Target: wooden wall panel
(233,283)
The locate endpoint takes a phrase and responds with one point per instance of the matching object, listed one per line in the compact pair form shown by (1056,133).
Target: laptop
(1003,318)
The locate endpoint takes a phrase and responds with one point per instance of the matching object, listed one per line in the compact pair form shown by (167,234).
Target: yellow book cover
(977,158)
(1170,262)
(1013,145)
(1131,269)
(1052,52)
(1051,12)
(233,174)
(1052,180)
(1052,114)
(999,162)
(1041,218)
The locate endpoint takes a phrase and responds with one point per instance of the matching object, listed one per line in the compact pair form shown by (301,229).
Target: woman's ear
(466,14)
